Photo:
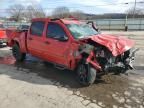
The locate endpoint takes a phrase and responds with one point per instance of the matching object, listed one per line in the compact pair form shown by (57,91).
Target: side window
(37,28)
(55,31)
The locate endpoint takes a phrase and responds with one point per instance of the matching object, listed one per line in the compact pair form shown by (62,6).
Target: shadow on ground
(101,91)
(48,71)
(45,70)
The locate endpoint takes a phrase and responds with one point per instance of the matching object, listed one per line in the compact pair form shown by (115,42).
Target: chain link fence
(103,24)
(120,24)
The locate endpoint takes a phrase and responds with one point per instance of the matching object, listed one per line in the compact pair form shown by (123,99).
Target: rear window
(37,28)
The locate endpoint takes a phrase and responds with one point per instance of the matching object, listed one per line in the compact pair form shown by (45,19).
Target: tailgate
(11,34)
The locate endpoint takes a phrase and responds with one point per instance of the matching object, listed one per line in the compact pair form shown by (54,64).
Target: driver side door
(56,50)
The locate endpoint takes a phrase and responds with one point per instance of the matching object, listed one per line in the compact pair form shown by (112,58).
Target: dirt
(111,91)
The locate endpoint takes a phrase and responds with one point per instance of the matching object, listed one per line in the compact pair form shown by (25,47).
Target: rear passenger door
(35,38)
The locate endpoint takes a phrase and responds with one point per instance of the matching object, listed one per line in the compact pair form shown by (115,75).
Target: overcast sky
(87,6)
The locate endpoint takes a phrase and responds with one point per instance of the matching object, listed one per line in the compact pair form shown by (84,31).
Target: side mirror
(63,38)
(99,31)
(18,29)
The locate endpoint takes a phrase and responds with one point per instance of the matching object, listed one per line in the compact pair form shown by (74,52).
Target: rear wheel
(19,56)
(86,74)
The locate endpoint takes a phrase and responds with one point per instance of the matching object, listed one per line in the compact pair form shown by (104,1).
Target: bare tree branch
(19,12)
(16,11)
(61,12)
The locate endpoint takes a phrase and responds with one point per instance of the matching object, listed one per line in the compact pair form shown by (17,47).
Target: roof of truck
(71,21)
(65,21)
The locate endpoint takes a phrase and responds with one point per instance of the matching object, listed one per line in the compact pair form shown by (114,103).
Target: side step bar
(60,67)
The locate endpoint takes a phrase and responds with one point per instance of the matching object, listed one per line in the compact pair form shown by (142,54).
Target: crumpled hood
(116,44)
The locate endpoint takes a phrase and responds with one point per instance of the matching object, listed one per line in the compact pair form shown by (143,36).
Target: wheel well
(85,55)
(15,42)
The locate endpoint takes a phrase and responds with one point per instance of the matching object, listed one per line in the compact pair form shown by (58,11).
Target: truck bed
(11,34)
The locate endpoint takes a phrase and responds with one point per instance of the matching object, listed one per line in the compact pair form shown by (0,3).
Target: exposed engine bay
(103,60)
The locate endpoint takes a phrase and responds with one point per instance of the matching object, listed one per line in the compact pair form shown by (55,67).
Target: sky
(87,6)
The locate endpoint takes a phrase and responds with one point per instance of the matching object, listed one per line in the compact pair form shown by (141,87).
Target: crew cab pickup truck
(74,45)
(3,37)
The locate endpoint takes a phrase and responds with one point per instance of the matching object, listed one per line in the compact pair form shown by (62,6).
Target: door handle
(46,42)
(30,38)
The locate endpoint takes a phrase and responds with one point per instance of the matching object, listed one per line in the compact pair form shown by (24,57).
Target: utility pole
(126,27)
(134,9)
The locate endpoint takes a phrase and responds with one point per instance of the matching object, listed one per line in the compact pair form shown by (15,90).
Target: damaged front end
(103,60)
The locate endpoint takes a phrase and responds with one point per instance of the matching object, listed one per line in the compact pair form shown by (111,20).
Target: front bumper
(130,59)
(122,66)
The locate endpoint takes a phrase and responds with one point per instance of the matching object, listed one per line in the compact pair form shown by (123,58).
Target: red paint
(66,21)
(116,44)
(94,62)
(63,52)
(2,33)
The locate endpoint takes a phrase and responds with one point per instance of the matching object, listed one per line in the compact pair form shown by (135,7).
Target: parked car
(23,27)
(74,45)
(3,37)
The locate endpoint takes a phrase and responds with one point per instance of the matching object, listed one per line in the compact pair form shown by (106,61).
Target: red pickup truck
(3,37)
(74,45)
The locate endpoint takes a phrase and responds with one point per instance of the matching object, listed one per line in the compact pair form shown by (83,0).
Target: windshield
(1,26)
(81,30)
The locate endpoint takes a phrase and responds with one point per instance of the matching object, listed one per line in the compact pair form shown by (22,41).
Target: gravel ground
(32,84)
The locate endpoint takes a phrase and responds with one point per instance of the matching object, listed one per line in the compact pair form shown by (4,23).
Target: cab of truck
(51,40)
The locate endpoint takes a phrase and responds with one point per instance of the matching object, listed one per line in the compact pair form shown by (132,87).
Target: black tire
(86,74)
(19,56)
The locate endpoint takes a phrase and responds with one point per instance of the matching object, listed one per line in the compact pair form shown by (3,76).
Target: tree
(61,12)
(19,12)
(79,14)
(137,11)
(35,11)
(16,11)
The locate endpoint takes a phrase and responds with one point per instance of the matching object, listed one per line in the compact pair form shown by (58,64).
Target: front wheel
(86,74)
(19,56)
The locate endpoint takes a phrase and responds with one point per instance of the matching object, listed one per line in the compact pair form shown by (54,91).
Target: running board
(59,67)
